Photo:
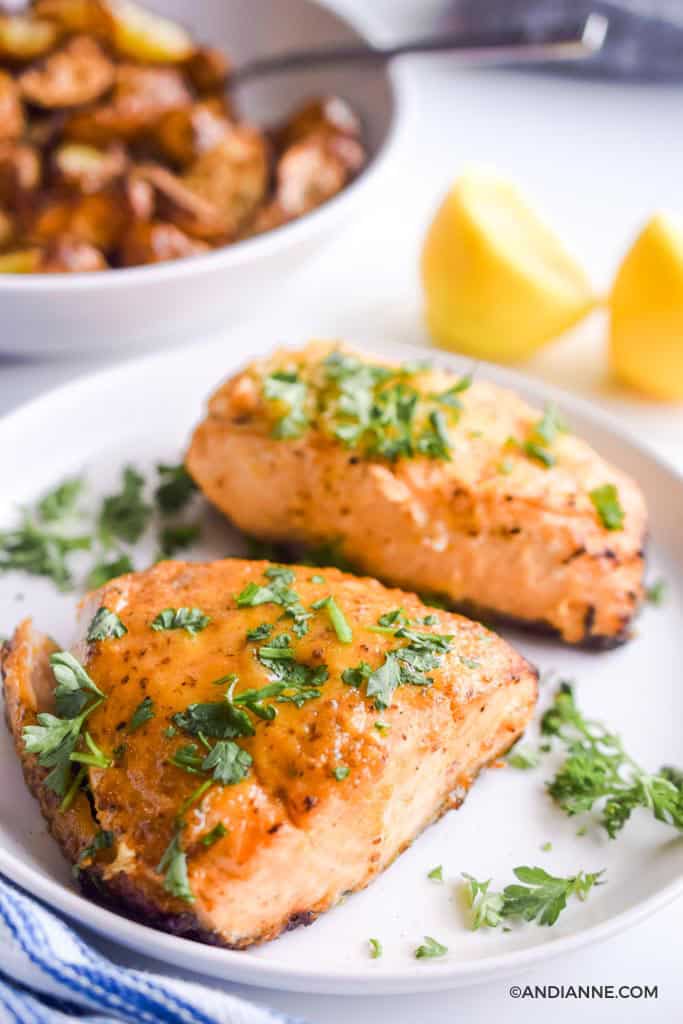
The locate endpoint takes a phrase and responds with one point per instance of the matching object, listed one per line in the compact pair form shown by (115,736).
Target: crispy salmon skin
(260,741)
(431,482)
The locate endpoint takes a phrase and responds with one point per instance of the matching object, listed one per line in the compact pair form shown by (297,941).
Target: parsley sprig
(599,772)
(277,590)
(541,897)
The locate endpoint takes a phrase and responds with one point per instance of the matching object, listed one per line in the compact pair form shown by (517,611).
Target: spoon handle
(572,40)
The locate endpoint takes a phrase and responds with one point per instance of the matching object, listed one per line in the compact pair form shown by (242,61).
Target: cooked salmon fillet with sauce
(431,482)
(251,742)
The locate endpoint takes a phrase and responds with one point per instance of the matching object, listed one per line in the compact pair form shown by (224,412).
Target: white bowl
(145,307)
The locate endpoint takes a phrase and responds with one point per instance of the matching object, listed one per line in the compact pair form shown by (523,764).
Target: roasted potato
(141,97)
(156,242)
(20,172)
(6,229)
(145,36)
(79,73)
(330,115)
(21,261)
(70,255)
(185,134)
(87,168)
(208,70)
(99,220)
(177,203)
(24,37)
(315,169)
(12,120)
(89,16)
(233,176)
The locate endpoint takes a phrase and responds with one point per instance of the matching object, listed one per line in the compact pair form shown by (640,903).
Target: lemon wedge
(646,312)
(145,36)
(498,284)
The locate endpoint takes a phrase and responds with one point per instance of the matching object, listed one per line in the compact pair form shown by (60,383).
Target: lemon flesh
(497,282)
(646,312)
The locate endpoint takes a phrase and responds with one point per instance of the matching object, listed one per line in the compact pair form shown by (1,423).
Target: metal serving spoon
(573,39)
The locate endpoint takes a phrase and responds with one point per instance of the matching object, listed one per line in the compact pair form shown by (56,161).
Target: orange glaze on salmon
(490,528)
(329,799)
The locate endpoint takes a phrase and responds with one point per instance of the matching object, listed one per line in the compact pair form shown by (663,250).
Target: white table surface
(598,158)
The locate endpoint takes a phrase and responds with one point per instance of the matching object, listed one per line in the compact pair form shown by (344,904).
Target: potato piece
(88,16)
(145,36)
(185,134)
(6,229)
(312,171)
(329,114)
(20,172)
(45,128)
(21,261)
(69,255)
(87,168)
(233,176)
(138,197)
(141,97)
(99,219)
(181,206)
(24,37)
(208,70)
(78,73)
(157,242)
(11,110)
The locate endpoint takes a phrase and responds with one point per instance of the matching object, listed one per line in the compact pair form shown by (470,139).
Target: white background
(598,158)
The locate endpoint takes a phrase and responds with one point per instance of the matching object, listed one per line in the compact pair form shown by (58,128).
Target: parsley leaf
(430,949)
(126,515)
(193,620)
(656,592)
(277,591)
(177,538)
(229,762)
(375,949)
(301,682)
(260,632)
(173,865)
(523,758)
(436,874)
(217,719)
(406,665)
(336,617)
(175,488)
(598,771)
(606,502)
(32,549)
(341,772)
(542,897)
(105,570)
(290,393)
(143,713)
(60,502)
(106,625)
(216,833)
(74,685)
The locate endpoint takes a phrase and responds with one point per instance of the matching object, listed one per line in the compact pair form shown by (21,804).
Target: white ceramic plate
(142,412)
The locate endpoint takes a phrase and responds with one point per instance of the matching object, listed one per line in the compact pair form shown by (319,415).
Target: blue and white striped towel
(50,975)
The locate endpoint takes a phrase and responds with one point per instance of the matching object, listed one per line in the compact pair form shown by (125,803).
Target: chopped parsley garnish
(92,756)
(336,617)
(436,874)
(60,503)
(228,763)
(541,897)
(216,833)
(547,847)
(74,685)
(523,758)
(192,620)
(143,713)
(382,727)
(41,552)
(317,579)
(549,426)
(106,570)
(430,949)
(177,538)
(277,591)
(540,438)
(606,502)
(175,488)
(290,393)
(106,625)
(54,739)
(219,719)
(539,453)
(341,772)
(598,771)
(375,949)
(433,441)
(402,666)
(260,632)
(300,682)
(102,840)
(173,865)
(655,593)
(126,515)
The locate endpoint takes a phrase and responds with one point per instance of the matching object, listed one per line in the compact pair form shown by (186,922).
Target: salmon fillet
(428,482)
(357,745)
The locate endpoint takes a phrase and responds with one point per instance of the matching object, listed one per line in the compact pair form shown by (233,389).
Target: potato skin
(297,837)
